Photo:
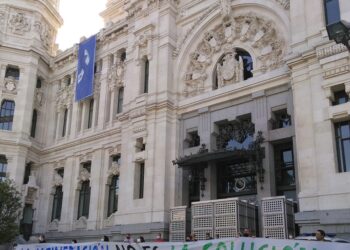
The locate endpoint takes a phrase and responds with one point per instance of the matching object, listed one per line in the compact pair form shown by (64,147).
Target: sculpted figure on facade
(57,179)
(19,24)
(10,84)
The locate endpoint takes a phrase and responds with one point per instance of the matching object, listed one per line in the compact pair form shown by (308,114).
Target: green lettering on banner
(232,245)
(252,246)
(221,245)
(207,246)
(243,245)
(185,247)
(263,247)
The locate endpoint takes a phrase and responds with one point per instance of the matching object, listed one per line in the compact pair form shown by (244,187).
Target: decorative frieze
(137,112)
(19,23)
(285,3)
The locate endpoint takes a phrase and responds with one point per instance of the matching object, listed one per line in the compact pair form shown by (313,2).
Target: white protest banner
(219,244)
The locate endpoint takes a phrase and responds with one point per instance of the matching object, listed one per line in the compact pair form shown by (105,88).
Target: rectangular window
(64,127)
(12,72)
(34,120)
(7,112)
(87,166)
(340,97)
(281,119)
(91,108)
(27,172)
(142,180)
(84,199)
(57,204)
(3,167)
(284,170)
(113,195)
(120,100)
(146,76)
(342,136)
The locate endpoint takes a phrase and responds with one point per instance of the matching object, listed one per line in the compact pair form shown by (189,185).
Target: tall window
(64,127)
(57,204)
(27,172)
(38,83)
(284,169)
(12,72)
(142,180)
(3,167)
(113,195)
(84,199)
(91,109)
(6,114)
(34,119)
(145,75)
(120,100)
(342,135)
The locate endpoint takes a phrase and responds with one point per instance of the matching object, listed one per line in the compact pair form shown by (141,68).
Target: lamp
(339,32)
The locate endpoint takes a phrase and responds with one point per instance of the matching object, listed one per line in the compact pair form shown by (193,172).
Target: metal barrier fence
(277,217)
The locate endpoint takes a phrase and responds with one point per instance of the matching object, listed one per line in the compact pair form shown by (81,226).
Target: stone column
(112,110)
(68,123)
(94,111)
(58,125)
(83,117)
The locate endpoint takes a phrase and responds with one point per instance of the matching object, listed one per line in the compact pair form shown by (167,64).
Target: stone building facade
(183,90)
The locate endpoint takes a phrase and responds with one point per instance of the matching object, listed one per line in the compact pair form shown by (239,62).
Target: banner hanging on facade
(85,72)
(219,244)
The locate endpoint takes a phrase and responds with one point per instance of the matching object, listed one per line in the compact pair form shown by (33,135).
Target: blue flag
(85,73)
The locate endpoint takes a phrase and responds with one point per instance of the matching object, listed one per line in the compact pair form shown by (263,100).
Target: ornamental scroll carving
(19,24)
(257,33)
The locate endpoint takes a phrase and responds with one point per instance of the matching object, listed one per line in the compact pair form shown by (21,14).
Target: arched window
(145,76)
(65,117)
(57,204)
(34,120)
(120,100)
(247,63)
(3,167)
(84,199)
(113,195)
(6,114)
(91,109)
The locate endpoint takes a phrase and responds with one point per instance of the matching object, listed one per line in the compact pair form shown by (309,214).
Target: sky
(81,18)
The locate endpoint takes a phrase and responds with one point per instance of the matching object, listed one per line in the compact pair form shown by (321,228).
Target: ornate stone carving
(2,18)
(53,225)
(250,29)
(229,70)
(57,179)
(143,44)
(84,175)
(19,24)
(46,33)
(114,169)
(10,85)
(85,157)
(38,98)
(81,223)
(225,7)
(137,112)
(64,97)
(115,75)
(285,3)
